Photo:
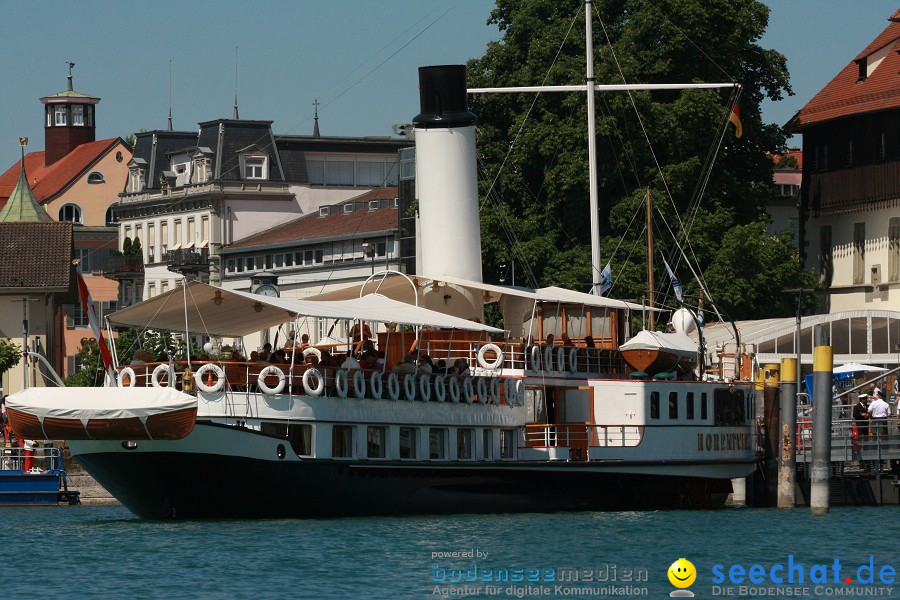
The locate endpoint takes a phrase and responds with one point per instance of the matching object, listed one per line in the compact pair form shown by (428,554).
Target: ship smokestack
(446,177)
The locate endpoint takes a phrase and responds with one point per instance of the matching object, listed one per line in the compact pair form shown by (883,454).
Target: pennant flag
(88,304)
(700,311)
(676,284)
(735,119)
(606,279)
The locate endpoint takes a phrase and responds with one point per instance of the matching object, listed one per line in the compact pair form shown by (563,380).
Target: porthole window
(96,177)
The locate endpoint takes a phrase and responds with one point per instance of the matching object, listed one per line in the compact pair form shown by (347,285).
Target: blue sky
(292,52)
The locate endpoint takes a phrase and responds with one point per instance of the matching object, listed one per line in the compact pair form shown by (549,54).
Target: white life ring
(548,358)
(573,360)
(359,383)
(409,386)
(261,380)
(498,357)
(535,357)
(340,382)
(440,388)
(312,350)
(393,386)
(158,371)
(494,390)
(509,391)
(220,378)
(481,388)
(310,374)
(453,388)
(468,390)
(375,385)
(132,378)
(425,387)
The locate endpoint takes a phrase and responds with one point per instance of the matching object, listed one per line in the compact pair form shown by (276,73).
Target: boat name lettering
(718,442)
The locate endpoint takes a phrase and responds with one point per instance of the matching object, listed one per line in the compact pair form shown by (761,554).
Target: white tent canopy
(217,311)
(857,368)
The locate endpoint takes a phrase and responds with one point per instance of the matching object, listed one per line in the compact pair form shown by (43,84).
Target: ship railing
(876,439)
(40,459)
(581,435)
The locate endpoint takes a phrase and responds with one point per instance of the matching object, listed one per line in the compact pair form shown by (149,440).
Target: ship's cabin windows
(299,435)
(689,405)
(704,411)
(729,407)
(376,442)
(465,443)
(487,439)
(342,441)
(673,405)
(654,405)
(437,443)
(409,437)
(507,443)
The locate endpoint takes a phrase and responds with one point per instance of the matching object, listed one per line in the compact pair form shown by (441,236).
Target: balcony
(123,267)
(188,261)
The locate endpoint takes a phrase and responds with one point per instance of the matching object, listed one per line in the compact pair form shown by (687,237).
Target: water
(105,552)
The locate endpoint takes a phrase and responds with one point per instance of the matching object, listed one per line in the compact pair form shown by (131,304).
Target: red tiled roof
(845,95)
(312,226)
(47,182)
(35,255)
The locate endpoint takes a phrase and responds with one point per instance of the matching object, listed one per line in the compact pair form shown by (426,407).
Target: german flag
(735,119)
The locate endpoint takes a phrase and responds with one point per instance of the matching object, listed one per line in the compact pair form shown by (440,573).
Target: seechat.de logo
(682,574)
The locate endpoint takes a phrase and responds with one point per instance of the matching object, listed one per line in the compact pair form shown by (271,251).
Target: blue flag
(676,284)
(606,279)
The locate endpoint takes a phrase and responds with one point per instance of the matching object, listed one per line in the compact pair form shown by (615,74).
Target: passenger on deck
(381,361)
(550,339)
(407,366)
(350,363)
(461,367)
(263,355)
(566,341)
(304,341)
(254,356)
(328,360)
(425,365)
(369,360)
(141,357)
(589,341)
(441,367)
(278,357)
(357,332)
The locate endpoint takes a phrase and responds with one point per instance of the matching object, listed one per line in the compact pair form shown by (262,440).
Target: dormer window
(135,180)
(324,211)
(78,115)
(255,167)
(96,177)
(373,204)
(348,208)
(60,115)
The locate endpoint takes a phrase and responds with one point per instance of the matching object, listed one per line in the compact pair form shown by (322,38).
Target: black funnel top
(442,97)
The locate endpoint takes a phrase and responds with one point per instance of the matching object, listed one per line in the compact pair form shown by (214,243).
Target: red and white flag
(88,305)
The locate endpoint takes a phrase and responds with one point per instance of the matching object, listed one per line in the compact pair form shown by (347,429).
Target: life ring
(409,386)
(340,382)
(425,387)
(359,383)
(493,364)
(393,387)
(261,380)
(440,388)
(375,385)
(468,390)
(310,374)
(535,357)
(561,358)
(573,360)
(132,379)
(548,358)
(509,392)
(312,350)
(158,371)
(494,390)
(220,378)
(481,388)
(453,388)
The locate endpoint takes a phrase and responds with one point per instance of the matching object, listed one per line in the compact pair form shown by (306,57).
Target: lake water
(105,552)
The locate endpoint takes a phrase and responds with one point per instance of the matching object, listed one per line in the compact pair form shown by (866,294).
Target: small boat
(655,352)
(33,473)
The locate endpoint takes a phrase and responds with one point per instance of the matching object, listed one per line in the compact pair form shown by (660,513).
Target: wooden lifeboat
(102,413)
(653,352)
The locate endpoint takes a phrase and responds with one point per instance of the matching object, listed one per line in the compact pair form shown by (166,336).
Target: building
(850,224)
(189,194)
(77,179)
(784,208)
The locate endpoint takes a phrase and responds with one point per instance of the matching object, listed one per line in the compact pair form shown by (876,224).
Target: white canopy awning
(217,311)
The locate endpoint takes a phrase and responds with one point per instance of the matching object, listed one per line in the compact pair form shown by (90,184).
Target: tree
(540,195)
(10,355)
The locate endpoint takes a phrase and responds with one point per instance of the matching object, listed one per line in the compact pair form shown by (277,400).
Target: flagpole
(650,257)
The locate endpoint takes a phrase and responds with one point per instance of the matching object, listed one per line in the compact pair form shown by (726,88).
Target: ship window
(689,402)
(488,444)
(465,442)
(507,443)
(673,405)
(375,442)
(408,442)
(299,435)
(704,411)
(654,405)
(437,443)
(728,406)
(342,441)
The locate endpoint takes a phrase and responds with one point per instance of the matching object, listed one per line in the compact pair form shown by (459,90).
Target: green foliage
(537,213)
(10,355)
(787,162)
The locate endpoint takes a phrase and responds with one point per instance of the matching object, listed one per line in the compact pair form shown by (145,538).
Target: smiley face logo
(682,573)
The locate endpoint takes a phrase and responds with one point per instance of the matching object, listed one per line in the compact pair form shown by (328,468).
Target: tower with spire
(69,121)
(22,206)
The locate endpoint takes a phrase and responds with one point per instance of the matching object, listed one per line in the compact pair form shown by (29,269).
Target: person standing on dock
(878,412)
(861,417)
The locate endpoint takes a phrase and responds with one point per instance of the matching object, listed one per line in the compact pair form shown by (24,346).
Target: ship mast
(650,258)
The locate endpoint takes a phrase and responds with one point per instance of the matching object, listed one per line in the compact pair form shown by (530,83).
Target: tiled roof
(847,95)
(797,154)
(336,224)
(35,255)
(47,182)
